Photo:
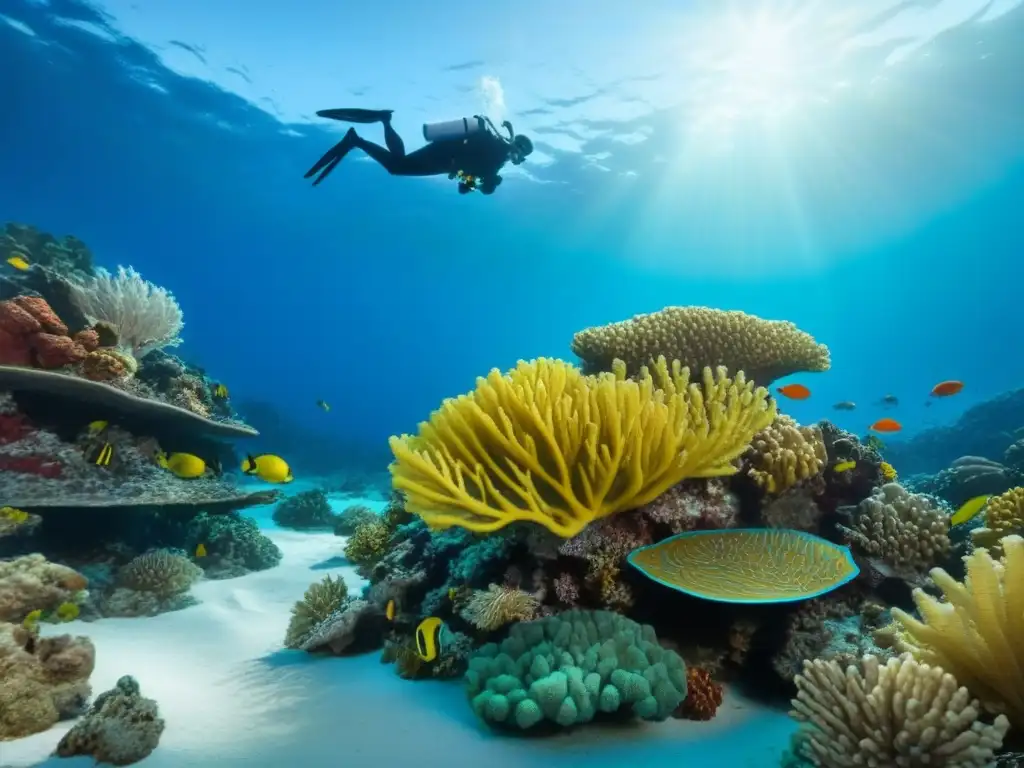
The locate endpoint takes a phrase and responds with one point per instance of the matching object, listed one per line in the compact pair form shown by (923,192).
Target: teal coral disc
(747,565)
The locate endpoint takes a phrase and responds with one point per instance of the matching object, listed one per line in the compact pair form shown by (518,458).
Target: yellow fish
(844,466)
(428,638)
(14,515)
(18,262)
(95,427)
(200,550)
(66,612)
(267,467)
(389,610)
(184,465)
(104,455)
(31,621)
(220,391)
(969,509)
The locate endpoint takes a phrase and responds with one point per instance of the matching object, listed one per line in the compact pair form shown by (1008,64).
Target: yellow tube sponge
(764,350)
(975,633)
(547,444)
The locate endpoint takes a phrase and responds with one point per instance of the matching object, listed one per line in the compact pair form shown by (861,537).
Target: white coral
(145,316)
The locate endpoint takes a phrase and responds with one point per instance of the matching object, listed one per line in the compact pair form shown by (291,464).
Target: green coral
(567,668)
(234,545)
(320,601)
(309,509)
(368,542)
(351,518)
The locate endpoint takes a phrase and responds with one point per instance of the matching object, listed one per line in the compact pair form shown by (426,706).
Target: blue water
(855,170)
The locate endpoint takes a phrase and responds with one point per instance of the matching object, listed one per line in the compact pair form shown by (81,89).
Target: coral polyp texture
(1004,515)
(700,337)
(547,444)
(161,572)
(565,669)
(498,605)
(747,565)
(784,454)
(976,633)
(901,713)
(903,531)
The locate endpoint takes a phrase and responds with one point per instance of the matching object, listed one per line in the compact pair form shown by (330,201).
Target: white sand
(232,697)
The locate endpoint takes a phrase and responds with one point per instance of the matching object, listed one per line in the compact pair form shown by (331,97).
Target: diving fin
(357,115)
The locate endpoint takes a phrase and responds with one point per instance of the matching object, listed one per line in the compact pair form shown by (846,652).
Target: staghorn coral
(784,454)
(904,533)
(546,444)
(703,696)
(31,582)
(700,336)
(145,316)
(694,505)
(160,572)
(567,668)
(45,679)
(1004,515)
(368,543)
(122,727)
(975,633)
(497,606)
(322,598)
(903,714)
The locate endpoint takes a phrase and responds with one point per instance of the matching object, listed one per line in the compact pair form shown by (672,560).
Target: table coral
(32,582)
(567,668)
(903,532)
(784,454)
(902,713)
(122,727)
(764,350)
(45,679)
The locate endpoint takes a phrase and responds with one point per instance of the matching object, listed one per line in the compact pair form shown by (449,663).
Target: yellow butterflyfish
(104,455)
(969,509)
(267,467)
(220,391)
(184,465)
(18,262)
(389,610)
(844,466)
(428,638)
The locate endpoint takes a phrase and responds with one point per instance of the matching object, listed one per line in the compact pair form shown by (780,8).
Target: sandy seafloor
(232,697)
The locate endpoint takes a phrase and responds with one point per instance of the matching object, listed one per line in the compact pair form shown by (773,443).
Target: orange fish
(794,391)
(886,425)
(947,388)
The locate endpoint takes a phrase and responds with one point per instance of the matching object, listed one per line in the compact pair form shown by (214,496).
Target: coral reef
(122,727)
(784,454)
(694,505)
(901,713)
(32,583)
(368,543)
(45,679)
(497,606)
(357,625)
(701,337)
(31,334)
(305,510)
(1004,516)
(162,573)
(903,533)
(350,518)
(567,668)
(321,600)
(66,255)
(477,462)
(234,545)
(703,696)
(967,477)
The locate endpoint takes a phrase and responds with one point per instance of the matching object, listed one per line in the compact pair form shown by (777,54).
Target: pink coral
(694,505)
(43,313)
(617,535)
(53,351)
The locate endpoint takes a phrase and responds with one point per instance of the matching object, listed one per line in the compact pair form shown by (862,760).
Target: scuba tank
(453,129)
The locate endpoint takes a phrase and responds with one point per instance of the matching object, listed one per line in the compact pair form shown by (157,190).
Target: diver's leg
(394,142)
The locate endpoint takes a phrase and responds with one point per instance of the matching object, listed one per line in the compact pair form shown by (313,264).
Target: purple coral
(615,536)
(694,505)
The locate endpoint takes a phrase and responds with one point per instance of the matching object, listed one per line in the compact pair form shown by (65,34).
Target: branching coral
(145,316)
(497,606)
(32,583)
(546,444)
(699,336)
(784,454)
(903,713)
(368,543)
(904,531)
(161,572)
(1004,515)
(320,601)
(976,633)
(694,505)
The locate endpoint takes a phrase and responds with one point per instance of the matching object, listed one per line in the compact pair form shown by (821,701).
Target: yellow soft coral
(977,633)
(547,444)
(1004,514)
(784,453)
(700,336)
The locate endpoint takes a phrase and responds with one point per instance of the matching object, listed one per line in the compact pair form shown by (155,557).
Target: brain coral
(764,350)
(569,667)
(784,453)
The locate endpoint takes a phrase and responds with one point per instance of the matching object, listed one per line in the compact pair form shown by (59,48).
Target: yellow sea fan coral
(976,633)
(703,337)
(497,606)
(1004,514)
(547,444)
(784,453)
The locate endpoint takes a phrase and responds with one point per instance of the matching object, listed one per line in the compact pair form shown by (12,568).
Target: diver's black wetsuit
(480,155)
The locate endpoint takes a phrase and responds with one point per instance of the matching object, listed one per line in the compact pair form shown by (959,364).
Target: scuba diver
(469,149)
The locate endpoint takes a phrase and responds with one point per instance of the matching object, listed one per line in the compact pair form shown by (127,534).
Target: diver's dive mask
(521,148)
